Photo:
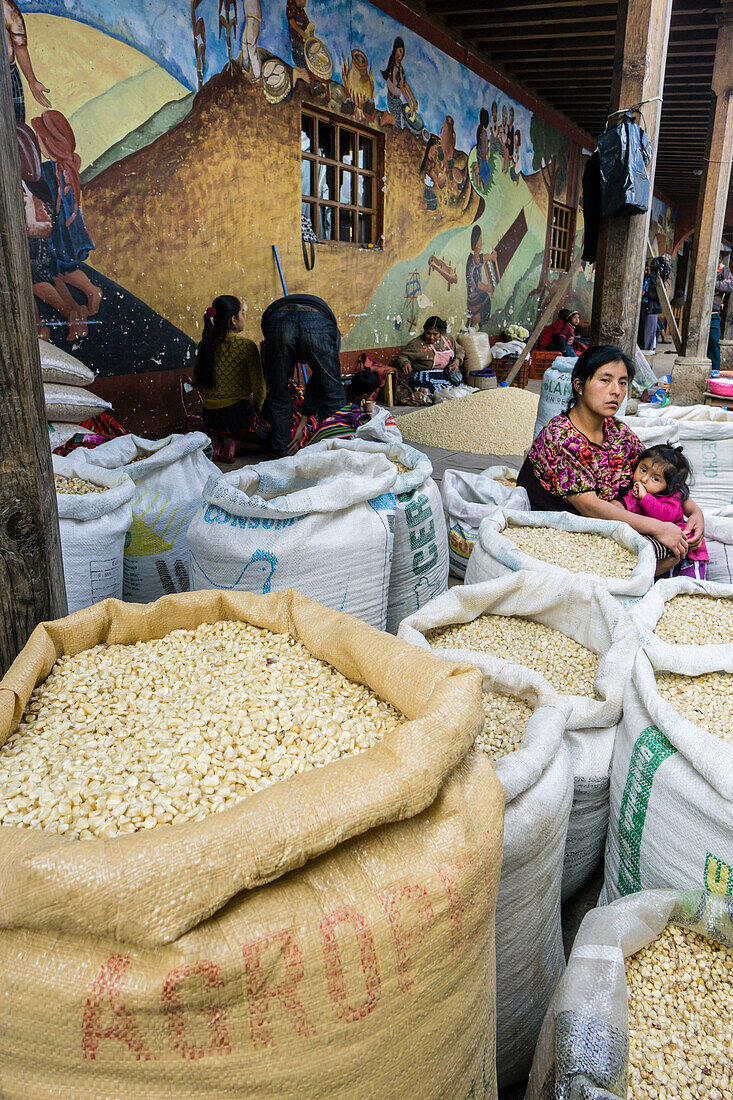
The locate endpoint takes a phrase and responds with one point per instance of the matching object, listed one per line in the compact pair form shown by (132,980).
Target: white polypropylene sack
(58,366)
(477,346)
(556,390)
(468,498)
(653,430)
(169,482)
(588,614)
(583,1049)
(671,821)
(647,613)
(93,527)
(719,542)
(321,522)
(382,428)
(538,784)
(72,403)
(420,556)
(495,554)
(706,435)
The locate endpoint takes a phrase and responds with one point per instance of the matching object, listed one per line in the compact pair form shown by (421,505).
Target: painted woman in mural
(515,168)
(495,129)
(300,27)
(397,87)
(503,131)
(478,292)
(69,242)
(482,168)
(18,56)
(509,141)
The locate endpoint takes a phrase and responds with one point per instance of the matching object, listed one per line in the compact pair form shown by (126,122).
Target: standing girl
(397,85)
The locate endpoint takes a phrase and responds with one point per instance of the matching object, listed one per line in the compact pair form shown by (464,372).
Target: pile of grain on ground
(505,725)
(680,989)
(577,551)
(696,620)
(489,422)
(569,667)
(76,486)
(706,700)
(120,738)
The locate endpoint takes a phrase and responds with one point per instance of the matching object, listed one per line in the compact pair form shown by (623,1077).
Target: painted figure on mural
(515,167)
(19,57)
(397,88)
(249,57)
(482,168)
(495,129)
(509,141)
(478,289)
(503,131)
(432,172)
(300,26)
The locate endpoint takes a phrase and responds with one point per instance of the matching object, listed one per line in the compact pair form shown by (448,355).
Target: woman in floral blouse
(583,460)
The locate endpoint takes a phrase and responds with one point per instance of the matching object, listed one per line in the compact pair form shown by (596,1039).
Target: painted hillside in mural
(167,146)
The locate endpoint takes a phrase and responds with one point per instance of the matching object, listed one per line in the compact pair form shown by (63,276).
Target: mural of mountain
(162,121)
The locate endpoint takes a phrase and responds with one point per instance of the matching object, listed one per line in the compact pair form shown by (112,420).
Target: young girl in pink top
(658,490)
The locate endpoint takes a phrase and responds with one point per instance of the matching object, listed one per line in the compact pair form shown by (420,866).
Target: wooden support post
(31,571)
(562,286)
(642,32)
(693,366)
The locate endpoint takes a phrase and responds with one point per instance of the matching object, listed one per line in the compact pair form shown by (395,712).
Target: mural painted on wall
(164,151)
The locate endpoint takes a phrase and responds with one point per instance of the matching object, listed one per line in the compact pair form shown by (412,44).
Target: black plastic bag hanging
(625,152)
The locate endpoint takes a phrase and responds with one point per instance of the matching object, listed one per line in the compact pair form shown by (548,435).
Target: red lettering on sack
(107,992)
(404,938)
(459,905)
(173,1013)
(346,914)
(261,998)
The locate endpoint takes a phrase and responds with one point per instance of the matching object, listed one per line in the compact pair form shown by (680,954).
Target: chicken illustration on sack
(255,577)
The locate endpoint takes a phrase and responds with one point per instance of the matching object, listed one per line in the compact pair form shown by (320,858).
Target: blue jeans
(295,336)
(714,341)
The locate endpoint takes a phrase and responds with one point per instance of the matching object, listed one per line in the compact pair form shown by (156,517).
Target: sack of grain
(678,616)
(93,525)
(169,476)
(585,657)
(321,522)
(468,498)
(554,543)
(420,555)
(59,433)
(706,434)
(382,428)
(653,430)
(313,939)
(58,366)
(719,541)
(523,738)
(556,391)
(477,346)
(72,403)
(671,822)
(611,1031)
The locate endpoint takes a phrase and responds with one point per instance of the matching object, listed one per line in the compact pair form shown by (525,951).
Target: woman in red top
(583,460)
(560,334)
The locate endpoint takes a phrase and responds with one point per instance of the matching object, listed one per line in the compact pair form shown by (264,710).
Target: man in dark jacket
(300,329)
(723,285)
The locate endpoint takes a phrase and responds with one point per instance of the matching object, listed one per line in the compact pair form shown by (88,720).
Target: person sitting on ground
(361,391)
(658,490)
(560,334)
(432,359)
(583,460)
(228,374)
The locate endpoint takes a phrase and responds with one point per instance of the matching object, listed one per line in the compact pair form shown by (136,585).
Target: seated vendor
(433,359)
(583,459)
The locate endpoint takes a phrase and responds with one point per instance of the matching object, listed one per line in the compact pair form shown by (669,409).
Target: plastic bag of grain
(624,559)
(671,822)
(70,404)
(93,526)
(306,942)
(594,657)
(537,777)
(321,522)
(706,434)
(719,541)
(169,476)
(597,1042)
(382,428)
(468,498)
(420,555)
(477,346)
(58,366)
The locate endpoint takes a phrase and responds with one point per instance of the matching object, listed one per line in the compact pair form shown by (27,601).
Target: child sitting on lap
(659,489)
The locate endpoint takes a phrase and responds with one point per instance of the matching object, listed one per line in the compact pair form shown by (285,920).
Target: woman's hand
(294,445)
(672,537)
(406,369)
(695,529)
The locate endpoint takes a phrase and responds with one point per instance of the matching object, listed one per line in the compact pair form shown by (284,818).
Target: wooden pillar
(31,571)
(693,366)
(642,31)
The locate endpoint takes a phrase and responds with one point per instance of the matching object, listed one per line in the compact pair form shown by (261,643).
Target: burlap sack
(332,935)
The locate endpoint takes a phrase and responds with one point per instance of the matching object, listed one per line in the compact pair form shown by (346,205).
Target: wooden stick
(667,307)
(31,572)
(561,288)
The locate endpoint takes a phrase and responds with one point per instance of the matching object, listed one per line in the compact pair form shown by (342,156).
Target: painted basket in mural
(503,367)
(318,59)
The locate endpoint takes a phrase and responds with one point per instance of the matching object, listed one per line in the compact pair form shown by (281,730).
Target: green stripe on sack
(650,751)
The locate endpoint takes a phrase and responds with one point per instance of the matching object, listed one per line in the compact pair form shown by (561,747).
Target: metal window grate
(340,175)
(563,234)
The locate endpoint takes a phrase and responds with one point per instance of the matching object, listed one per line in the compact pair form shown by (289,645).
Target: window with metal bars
(340,174)
(563,236)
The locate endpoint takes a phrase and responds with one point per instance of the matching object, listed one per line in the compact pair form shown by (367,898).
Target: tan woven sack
(329,936)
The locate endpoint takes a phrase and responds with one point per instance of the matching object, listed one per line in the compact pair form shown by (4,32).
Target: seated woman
(583,459)
(432,359)
(228,374)
(560,334)
(361,391)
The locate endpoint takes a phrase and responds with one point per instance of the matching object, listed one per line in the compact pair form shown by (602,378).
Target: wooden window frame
(562,252)
(375,174)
